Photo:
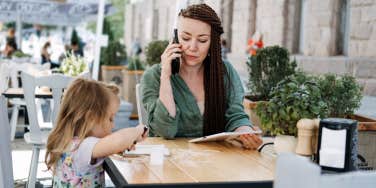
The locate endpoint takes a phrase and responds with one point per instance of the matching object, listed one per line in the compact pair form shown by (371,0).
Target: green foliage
(154,51)
(20,54)
(115,52)
(107,29)
(117,19)
(341,94)
(269,66)
(295,97)
(10,25)
(135,64)
(75,38)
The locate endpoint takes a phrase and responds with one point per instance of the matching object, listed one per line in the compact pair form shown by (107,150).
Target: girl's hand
(143,132)
(249,141)
(171,52)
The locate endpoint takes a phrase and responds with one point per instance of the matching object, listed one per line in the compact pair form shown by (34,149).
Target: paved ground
(368,107)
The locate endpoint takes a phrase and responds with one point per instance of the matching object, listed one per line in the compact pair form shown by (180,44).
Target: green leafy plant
(115,52)
(20,54)
(75,38)
(135,64)
(73,65)
(295,97)
(154,51)
(268,67)
(342,94)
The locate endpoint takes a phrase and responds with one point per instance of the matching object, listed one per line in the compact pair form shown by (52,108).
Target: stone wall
(362,68)
(362,28)
(329,36)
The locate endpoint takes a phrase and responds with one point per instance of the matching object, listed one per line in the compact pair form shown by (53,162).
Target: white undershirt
(201,106)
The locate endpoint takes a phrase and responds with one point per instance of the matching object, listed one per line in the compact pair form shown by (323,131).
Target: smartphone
(175,64)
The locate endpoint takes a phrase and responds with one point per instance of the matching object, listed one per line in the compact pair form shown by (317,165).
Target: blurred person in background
(9,49)
(75,47)
(224,50)
(46,55)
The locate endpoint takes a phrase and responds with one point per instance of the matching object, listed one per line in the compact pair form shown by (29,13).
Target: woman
(46,55)
(206,96)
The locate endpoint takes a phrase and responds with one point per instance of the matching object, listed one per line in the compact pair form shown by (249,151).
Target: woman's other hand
(249,141)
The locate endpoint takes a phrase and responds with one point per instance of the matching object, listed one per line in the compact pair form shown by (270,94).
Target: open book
(223,136)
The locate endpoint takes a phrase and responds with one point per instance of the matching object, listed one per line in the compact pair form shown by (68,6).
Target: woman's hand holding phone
(171,52)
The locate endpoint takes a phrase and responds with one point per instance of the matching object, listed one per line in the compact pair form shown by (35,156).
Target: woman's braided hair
(214,70)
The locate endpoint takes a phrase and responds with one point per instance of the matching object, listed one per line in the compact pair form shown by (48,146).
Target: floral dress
(76,168)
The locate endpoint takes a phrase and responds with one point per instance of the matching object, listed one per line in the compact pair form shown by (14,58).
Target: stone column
(271,20)
(292,15)
(362,29)
(241,25)
(320,27)
(226,14)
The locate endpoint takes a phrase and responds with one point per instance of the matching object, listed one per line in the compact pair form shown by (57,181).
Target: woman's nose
(193,45)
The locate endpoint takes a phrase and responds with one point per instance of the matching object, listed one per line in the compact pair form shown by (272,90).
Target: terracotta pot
(113,75)
(131,78)
(285,143)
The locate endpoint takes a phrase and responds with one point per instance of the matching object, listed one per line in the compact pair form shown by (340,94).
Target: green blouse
(188,121)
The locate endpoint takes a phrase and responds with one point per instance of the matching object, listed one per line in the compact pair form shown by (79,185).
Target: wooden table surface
(196,162)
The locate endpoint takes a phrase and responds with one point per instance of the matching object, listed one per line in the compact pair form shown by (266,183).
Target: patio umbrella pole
(98,36)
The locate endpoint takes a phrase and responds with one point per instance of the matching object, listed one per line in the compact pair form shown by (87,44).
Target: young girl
(82,137)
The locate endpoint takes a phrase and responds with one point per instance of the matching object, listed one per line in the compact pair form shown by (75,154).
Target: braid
(215,99)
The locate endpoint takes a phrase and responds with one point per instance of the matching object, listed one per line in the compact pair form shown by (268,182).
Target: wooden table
(19,93)
(201,164)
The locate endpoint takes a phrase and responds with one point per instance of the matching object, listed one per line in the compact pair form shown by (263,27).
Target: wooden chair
(36,136)
(9,72)
(142,115)
(294,171)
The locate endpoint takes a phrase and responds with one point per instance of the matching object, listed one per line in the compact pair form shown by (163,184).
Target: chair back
(4,76)
(56,83)
(142,115)
(6,169)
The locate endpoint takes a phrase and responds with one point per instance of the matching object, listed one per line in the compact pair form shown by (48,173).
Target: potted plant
(295,97)
(341,94)
(132,76)
(19,56)
(154,51)
(111,59)
(73,65)
(269,66)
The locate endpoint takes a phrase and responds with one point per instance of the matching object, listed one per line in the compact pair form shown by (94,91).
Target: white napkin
(333,148)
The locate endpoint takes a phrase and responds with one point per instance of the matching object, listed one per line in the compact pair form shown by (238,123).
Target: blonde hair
(85,104)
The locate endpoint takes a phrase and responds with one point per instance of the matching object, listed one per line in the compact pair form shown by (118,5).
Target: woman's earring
(208,54)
